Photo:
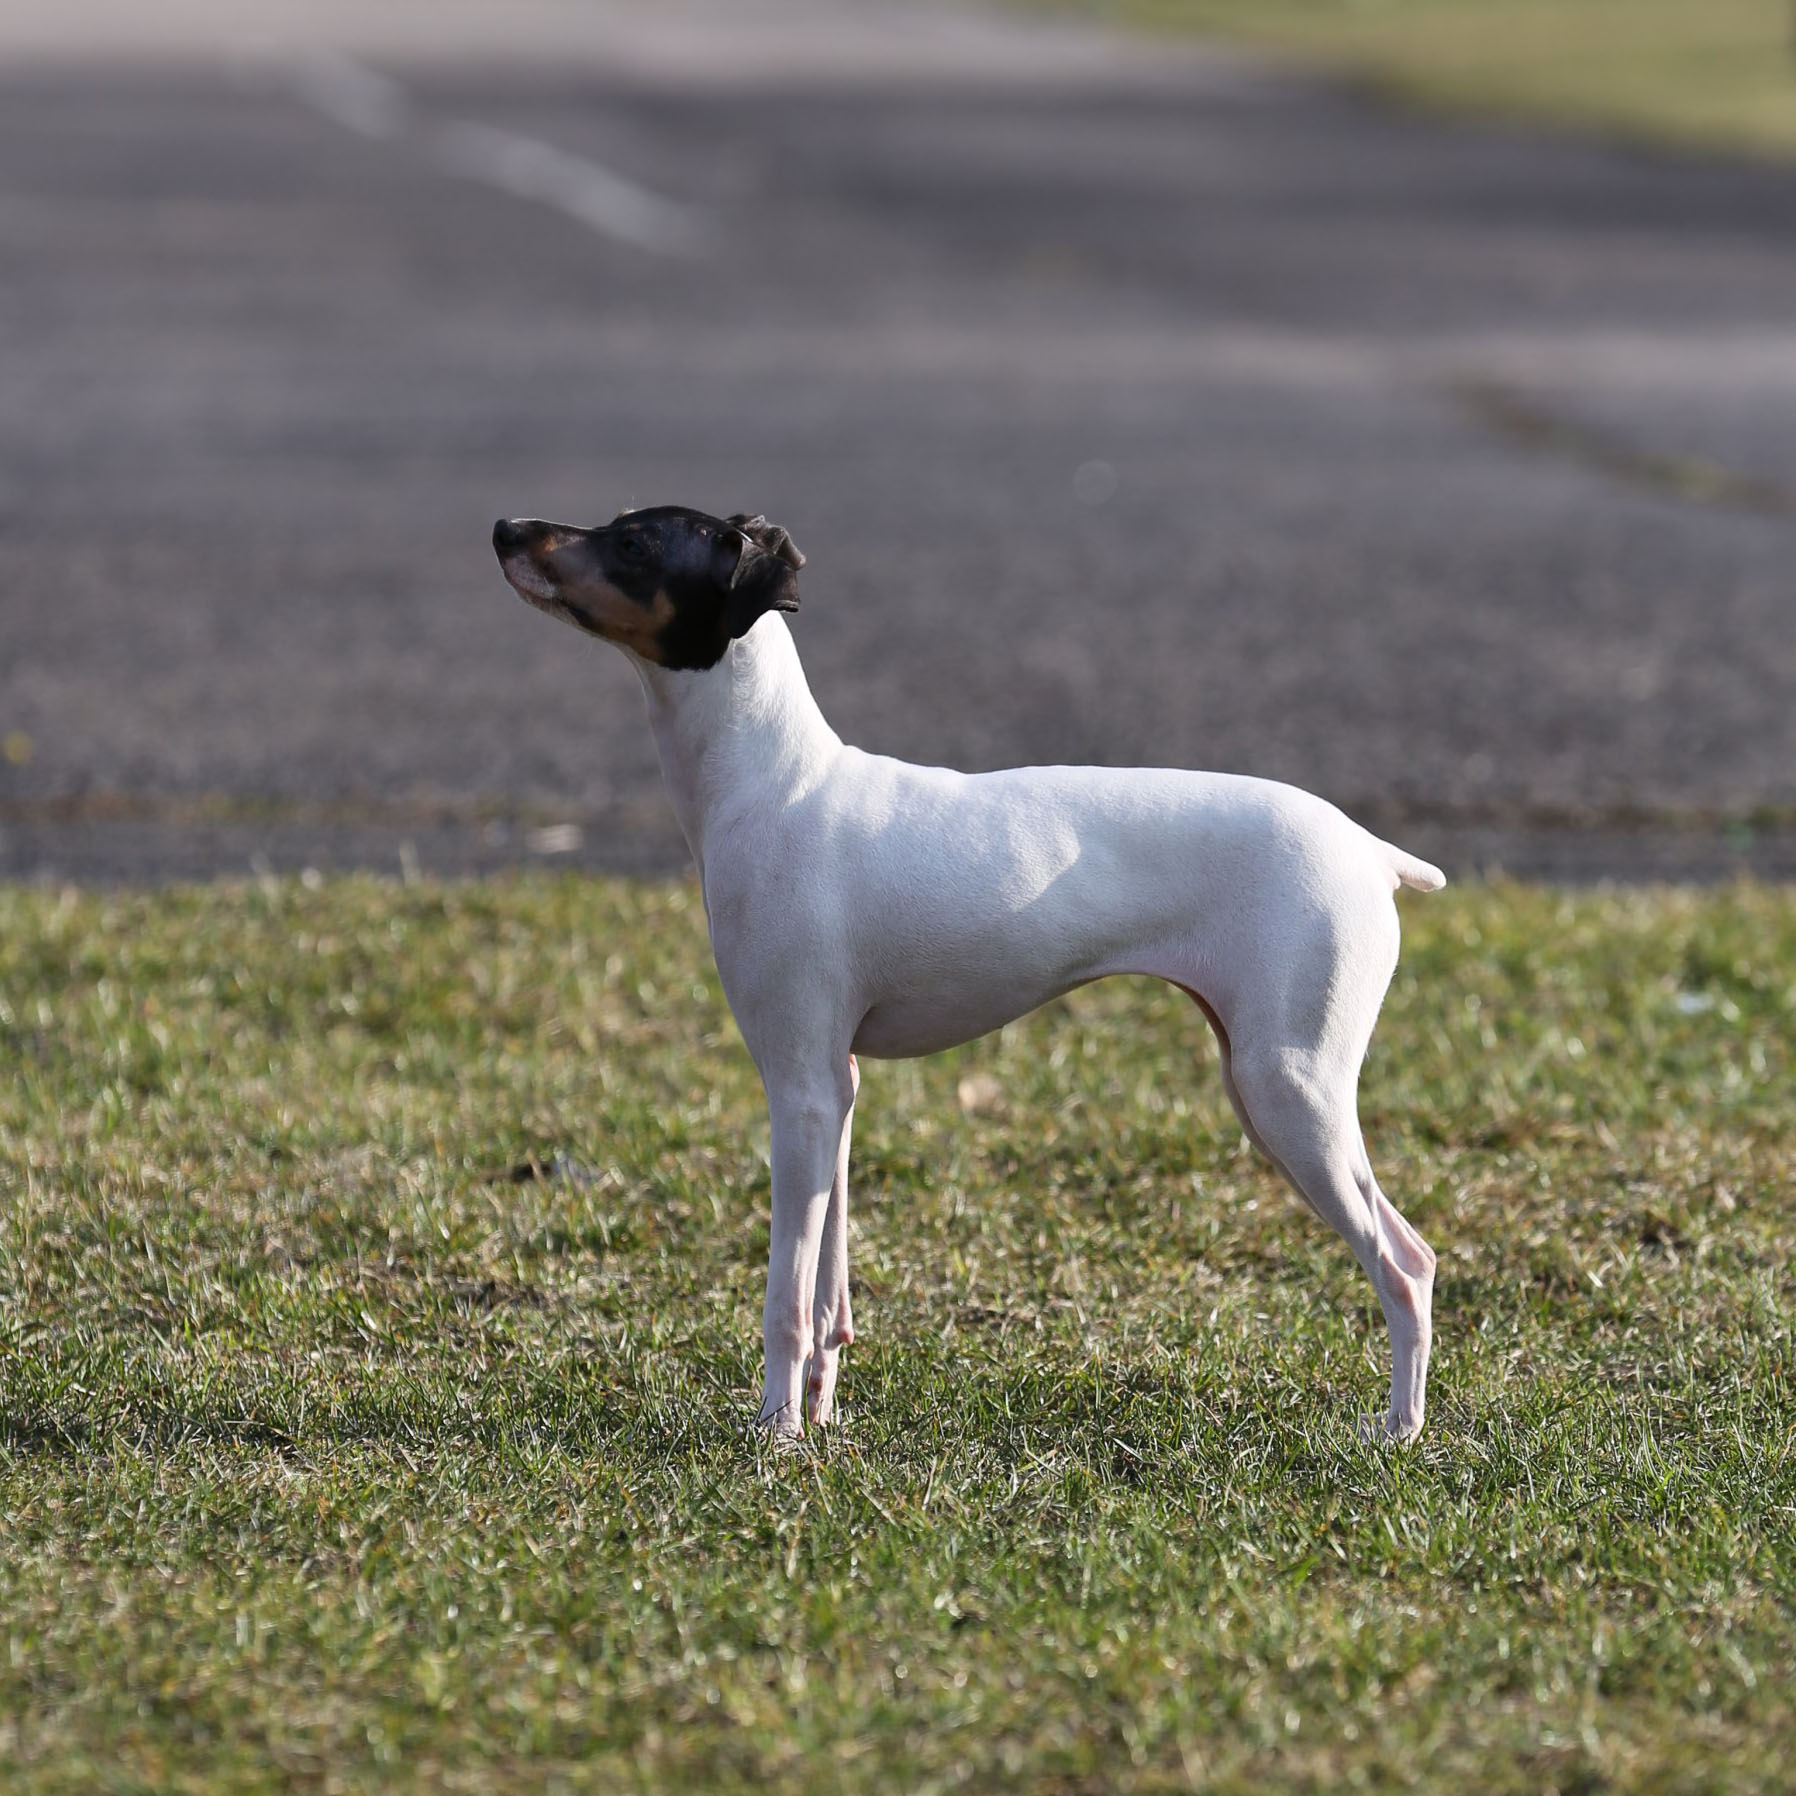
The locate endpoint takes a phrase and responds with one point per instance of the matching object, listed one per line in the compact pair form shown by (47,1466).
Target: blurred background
(1397,397)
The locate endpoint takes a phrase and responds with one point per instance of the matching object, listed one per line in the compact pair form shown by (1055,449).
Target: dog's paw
(781,1429)
(1388,1430)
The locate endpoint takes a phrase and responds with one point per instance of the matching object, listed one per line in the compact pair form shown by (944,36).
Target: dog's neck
(745,732)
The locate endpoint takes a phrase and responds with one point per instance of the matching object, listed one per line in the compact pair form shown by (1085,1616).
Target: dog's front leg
(809,1118)
(832,1322)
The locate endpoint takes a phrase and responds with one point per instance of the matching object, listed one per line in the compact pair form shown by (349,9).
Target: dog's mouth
(517,542)
(535,588)
(548,567)
(528,580)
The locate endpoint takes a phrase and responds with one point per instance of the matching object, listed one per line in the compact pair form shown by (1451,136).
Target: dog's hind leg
(1292,1074)
(1225,1056)
(1303,1113)
(832,1322)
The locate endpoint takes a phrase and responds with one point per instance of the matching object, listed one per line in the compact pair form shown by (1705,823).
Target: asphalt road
(1130,406)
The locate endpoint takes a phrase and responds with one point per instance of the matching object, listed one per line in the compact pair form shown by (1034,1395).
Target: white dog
(862,905)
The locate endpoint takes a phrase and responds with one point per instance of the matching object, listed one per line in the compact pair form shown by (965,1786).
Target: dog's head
(674,586)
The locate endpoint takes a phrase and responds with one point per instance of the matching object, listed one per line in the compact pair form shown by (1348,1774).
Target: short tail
(1408,870)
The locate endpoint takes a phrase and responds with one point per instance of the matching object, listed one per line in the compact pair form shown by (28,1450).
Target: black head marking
(673,585)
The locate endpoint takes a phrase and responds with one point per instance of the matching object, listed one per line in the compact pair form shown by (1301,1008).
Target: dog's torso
(907,909)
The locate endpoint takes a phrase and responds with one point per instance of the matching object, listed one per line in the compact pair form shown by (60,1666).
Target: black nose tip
(507,534)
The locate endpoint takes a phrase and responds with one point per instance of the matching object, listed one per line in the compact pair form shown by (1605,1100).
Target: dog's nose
(508,533)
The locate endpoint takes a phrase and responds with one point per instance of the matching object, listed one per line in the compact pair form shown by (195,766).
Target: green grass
(334,1456)
(1716,73)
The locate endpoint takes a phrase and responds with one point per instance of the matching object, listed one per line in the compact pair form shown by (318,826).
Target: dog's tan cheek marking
(608,613)
(638,627)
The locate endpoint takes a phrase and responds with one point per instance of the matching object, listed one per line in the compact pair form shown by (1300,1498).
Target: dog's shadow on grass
(34,1435)
(38,1434)
(531,1420)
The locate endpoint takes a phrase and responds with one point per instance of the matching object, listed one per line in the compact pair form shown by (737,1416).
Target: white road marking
(357,98)
(375,106)
(585,190)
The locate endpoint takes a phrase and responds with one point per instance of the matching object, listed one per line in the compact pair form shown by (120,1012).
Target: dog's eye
(632,550)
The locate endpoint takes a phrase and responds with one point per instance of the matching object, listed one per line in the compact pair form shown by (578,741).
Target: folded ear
(763,583)
(769,538)
(764,579)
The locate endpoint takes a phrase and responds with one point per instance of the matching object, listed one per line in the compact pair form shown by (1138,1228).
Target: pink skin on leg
(1310,1132)
(1405,1284)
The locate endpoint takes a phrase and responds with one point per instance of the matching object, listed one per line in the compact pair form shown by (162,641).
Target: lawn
(379,1295)
(1720,73)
